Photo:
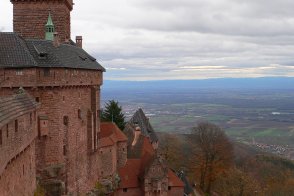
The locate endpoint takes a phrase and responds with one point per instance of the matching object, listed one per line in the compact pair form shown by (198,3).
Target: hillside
(252,171)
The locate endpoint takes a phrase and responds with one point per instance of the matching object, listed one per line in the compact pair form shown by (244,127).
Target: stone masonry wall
(15,137)
(108,159)
(121,154)
(35,77)
(129,192)
(66,101)
(66,110)
(176,191)
(19,177)
(30,17)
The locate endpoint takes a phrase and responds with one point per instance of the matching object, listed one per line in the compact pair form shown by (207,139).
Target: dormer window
(19,72)
(42,54)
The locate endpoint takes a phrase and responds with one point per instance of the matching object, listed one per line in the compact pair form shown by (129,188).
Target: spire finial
(49,27)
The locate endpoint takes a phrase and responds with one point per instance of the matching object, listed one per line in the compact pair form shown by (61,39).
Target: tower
(30,16)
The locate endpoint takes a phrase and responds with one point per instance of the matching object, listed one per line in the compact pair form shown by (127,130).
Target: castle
(50,127)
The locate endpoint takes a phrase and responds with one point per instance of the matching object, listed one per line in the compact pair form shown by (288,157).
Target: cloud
(186,39)
(116,68)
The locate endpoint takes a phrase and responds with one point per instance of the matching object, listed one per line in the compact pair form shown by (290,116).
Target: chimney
(79,41)
(137,134)
(56,41)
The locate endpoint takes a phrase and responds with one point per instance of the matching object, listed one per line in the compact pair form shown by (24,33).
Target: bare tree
(170,149)
(212,153)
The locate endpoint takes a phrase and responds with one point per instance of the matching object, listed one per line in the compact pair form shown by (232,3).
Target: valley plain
(260,117)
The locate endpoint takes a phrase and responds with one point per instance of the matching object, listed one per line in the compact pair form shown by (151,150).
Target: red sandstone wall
(64,94)
(13,143)
(34,77)
(30,17)
(121,154)
(176,191)
(129,192)
(108,161)
(67,144)
(156,170)
(19,177)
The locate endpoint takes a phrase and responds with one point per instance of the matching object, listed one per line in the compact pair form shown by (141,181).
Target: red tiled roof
(110,134)
(129,174)
(135,167)
(109,128)
(147,146)
(107,141)
(174,180)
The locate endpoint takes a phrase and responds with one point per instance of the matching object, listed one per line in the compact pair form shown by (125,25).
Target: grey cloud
(230,17)
(149,39)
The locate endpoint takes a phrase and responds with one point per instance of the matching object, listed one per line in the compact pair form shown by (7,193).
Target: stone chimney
(79,41)
(56,41)
(137,134)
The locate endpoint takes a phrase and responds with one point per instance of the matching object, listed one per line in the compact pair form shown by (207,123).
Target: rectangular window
(46,72)
(16,125)
(31,118)
(64,150)
(19,72)
(0,136)
(125,190)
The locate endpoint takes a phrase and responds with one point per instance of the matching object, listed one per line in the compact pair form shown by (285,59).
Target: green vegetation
(242,124)
(112,112)
(40,191)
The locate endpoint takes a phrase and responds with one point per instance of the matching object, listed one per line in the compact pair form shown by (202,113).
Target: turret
(49,29)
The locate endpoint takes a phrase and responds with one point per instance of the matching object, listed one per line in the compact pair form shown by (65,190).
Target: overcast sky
(184,39)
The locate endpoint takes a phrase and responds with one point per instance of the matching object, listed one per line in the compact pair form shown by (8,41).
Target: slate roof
(187,188)
(15,106)
(143,122)
(16,52)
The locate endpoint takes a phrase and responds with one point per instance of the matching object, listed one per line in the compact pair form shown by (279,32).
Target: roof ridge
(23,41)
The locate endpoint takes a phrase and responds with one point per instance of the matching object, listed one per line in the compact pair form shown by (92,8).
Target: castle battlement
(17,143)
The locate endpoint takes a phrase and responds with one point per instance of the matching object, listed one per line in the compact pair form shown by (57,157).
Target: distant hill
(283,83)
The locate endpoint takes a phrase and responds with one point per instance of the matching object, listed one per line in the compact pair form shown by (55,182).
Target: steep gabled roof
(142,146)
(110,134)
(174,180)
(15,106)
(140,118)
(16,52)
(129,174)
(188,188)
